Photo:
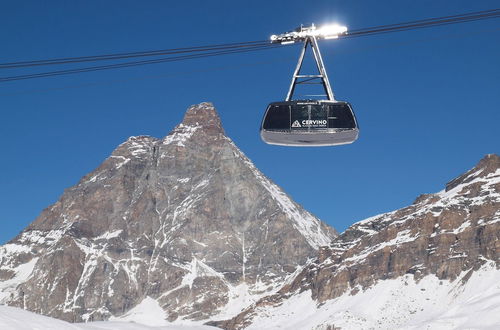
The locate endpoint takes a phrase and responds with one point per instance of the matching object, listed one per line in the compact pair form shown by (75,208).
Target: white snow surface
(22,273)
(181,134)
(147,312)
(18,319)
(401,303)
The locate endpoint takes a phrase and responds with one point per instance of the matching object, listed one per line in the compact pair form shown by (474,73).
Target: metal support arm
(312,41)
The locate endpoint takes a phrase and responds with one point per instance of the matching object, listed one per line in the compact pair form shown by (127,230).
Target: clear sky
(426,101)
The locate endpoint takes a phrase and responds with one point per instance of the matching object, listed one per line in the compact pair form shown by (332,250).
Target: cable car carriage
(309,122)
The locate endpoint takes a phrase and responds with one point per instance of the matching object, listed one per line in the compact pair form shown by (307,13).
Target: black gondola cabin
(309,123)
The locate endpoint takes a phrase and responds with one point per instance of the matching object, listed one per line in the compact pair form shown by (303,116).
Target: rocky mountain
(185,225)
(433,263)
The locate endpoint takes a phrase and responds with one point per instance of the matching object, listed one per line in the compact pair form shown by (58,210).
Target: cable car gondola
(309,122)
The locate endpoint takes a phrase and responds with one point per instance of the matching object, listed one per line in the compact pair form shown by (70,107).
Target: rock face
(448,235)
(187,221)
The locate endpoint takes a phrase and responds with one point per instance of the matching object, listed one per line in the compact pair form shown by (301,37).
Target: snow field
(400,303)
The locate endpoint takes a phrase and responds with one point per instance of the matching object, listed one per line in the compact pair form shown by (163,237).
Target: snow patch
(12,249)
(22,274)
(180,135)
(148,312)
(482,222)
(402,237)
(108,235)
(137,149)
(43,237)
(199,269)
(462,227)
(239,298)
(124,161)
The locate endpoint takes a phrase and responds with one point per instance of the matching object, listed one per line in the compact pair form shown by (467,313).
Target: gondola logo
(296,124)
(314,122)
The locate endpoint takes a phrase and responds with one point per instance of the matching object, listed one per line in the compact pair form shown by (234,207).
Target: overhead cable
(223,49)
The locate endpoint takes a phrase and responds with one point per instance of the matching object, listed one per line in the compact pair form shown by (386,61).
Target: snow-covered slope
(401,303)
(12,318)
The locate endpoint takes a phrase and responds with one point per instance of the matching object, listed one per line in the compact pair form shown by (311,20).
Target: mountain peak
(487,165)
(187,223)
(490,162)
(205,116)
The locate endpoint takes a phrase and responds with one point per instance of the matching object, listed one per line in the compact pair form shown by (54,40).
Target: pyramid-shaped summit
(186,223)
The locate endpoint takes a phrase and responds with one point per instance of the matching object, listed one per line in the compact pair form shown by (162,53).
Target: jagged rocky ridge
(448,236)
(187,221)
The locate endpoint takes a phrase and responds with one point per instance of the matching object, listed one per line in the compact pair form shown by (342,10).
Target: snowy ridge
(458,196)
(135,148)
(487,183)
(139,146)
(42,237)
(401,303)
(308,225)
(181,134)
(11,249)
(402,237)
(435,204)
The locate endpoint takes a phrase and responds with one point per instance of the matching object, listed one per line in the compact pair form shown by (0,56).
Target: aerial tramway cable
(119,56)
(135,63)
(221,49)
(248,64)
(424,23)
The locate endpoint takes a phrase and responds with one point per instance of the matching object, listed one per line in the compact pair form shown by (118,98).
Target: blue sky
(426,101)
